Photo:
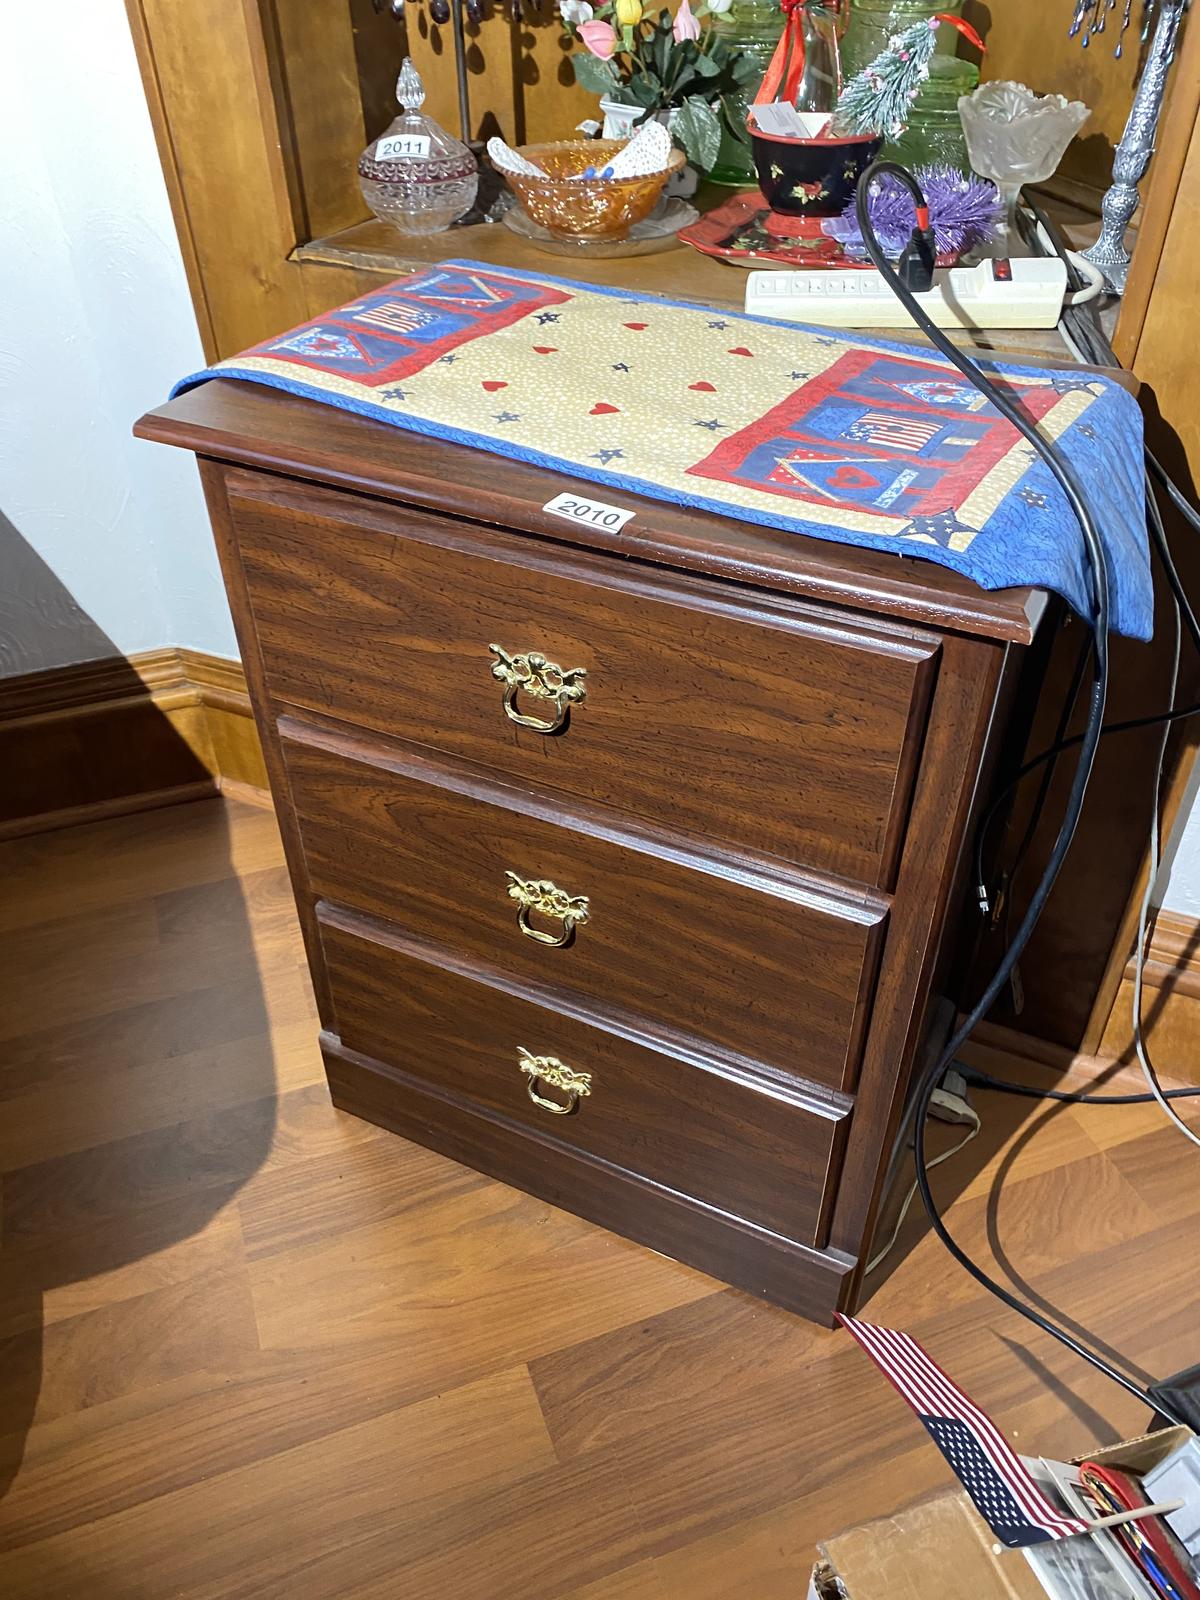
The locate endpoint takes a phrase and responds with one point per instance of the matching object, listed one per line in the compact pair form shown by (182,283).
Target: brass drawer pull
(548,1070)
(540,679)
(539,894)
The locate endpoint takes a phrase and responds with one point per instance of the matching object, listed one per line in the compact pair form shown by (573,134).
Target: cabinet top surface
(259,427)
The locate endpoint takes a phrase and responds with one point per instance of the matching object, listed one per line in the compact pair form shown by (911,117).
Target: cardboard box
(943,1549)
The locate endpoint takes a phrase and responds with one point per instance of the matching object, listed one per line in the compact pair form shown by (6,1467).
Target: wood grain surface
(756,1148)
(735,951)
(252,1346)
(256,426)
(697,694)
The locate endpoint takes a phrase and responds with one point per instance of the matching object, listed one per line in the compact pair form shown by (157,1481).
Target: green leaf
(707,67)
(745,69)
(660,52)
(596,76)
(698,129)
(642,91)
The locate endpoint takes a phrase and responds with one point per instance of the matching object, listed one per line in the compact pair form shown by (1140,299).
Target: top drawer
(758,720)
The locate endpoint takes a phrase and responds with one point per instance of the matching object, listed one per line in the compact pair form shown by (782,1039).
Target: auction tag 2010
(591,513)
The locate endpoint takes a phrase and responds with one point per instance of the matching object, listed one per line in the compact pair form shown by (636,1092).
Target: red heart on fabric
(740,350)
(852,478)
(709,388)
(600,409)
(545,350)
(492,384)
(637,326)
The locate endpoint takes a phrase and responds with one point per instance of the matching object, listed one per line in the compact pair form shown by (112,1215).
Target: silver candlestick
(1135,149)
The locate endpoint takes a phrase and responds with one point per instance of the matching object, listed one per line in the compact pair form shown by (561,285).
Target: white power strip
(1026,292)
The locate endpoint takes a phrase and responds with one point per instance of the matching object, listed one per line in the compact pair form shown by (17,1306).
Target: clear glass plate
(656,233)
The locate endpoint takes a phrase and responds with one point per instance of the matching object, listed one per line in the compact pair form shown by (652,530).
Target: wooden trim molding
(1170,1021)
(105,737)
(1172,956)
(1170,1001)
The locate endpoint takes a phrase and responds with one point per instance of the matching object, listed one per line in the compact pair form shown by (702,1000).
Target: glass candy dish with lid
(417,176)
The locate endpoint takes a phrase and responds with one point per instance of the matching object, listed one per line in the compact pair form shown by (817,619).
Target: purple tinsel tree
(963,212)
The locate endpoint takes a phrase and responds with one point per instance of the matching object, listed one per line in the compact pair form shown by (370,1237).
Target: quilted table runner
(861,440)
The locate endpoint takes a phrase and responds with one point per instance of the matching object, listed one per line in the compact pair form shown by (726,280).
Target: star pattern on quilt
(866,443)
(941,526)
(1063,383)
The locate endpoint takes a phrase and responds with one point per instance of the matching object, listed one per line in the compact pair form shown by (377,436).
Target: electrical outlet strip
(1026,292)
(947,1107)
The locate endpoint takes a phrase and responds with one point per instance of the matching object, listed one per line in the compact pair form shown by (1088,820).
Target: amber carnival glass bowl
(571,207)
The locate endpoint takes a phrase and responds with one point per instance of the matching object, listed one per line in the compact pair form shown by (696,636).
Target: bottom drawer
(760,1151)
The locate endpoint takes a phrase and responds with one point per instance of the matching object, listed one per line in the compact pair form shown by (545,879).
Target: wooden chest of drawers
(626,863)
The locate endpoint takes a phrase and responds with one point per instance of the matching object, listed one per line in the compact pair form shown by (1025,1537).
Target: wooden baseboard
(101,738)
(237,756)
(1170,1001)
(1170,1021)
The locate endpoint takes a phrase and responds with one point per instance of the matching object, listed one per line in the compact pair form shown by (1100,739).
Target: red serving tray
(743,230)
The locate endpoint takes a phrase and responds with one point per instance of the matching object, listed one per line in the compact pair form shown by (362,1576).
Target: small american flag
(1004,1493)
(897,432)
(395,316)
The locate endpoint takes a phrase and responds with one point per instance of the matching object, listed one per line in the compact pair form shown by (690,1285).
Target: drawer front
(756,720)
(754,1151)
(745,959)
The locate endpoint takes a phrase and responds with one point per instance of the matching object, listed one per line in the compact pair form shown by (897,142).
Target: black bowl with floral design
(811,177)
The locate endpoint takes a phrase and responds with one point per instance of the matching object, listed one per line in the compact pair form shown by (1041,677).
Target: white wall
(1178,886)
(111,549)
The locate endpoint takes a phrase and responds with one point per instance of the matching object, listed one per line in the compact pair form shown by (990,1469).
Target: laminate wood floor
(250,1346)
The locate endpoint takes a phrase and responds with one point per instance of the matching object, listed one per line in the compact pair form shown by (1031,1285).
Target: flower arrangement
(661,63)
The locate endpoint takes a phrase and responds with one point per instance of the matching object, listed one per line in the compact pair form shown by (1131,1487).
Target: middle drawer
(744,956)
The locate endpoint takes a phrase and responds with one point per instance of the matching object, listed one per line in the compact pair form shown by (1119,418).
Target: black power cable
(1060,470)
(1071,1097)
(1155,719)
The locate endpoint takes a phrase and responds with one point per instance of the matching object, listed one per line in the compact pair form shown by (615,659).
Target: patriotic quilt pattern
(865,441)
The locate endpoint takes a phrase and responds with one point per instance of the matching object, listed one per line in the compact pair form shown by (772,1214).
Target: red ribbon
(965,28)
(781,81)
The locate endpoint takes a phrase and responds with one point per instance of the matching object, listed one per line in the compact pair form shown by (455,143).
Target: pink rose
(599,38)
(686,26)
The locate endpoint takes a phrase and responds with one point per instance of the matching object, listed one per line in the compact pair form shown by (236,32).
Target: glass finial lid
(417,176)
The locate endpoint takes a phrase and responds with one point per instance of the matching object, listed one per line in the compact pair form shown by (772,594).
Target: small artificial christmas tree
(880,98)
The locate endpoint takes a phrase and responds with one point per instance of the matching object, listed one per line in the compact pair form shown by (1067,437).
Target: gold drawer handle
(540,679)
(539,894)
(550,1071)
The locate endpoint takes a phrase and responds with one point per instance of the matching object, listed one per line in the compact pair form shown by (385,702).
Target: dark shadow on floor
(101,992)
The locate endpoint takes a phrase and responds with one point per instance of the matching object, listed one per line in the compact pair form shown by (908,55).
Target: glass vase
(753,27)
(934,136)
(1016,137)
(873,23)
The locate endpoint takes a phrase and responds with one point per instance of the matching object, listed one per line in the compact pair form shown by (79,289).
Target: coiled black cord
(1088,743)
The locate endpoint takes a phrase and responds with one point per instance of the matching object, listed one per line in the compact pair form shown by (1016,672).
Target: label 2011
(592,513)
(403,147)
